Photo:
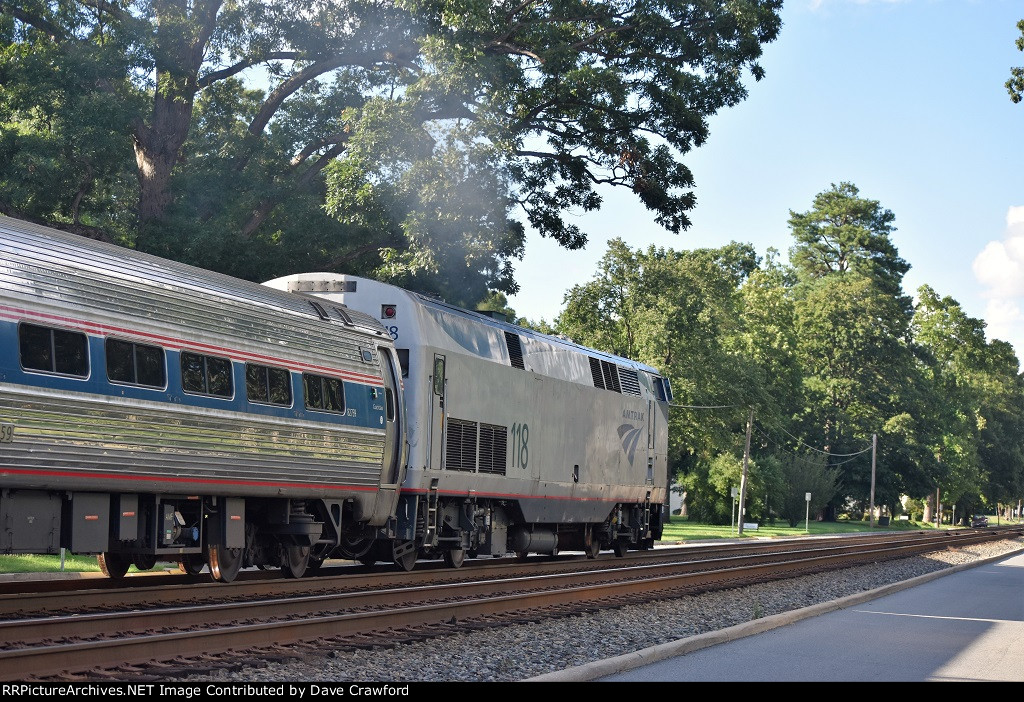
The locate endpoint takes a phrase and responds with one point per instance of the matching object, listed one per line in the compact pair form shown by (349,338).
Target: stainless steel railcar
(154,410)
(518,441)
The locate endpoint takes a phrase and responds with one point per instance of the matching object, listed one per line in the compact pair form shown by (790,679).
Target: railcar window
(267,385)
(323,394)
(206,375)
(403,361)
(135,364)
(53,350)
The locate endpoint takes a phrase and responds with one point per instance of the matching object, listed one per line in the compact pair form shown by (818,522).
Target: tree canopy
(1015,85)
(836,360)
(409,139)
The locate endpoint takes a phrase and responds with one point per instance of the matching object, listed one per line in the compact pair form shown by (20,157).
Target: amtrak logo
(630,437)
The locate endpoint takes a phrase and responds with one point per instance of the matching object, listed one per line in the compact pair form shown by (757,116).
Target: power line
(827,453)
(798,457)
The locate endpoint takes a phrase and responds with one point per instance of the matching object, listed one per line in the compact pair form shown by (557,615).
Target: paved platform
(964,623)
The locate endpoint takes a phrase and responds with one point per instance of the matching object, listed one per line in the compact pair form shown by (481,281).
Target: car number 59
(6,433)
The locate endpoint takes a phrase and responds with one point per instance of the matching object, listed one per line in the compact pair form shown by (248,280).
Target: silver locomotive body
(517,441)
(151,409)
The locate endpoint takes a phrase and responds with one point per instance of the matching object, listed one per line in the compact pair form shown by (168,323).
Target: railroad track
(150,633)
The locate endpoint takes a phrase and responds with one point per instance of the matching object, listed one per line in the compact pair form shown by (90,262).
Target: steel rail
(52,659)
(151,590)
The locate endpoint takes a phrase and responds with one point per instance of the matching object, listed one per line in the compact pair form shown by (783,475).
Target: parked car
(979,520)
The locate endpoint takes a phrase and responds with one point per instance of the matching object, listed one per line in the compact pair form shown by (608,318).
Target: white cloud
(1000,269)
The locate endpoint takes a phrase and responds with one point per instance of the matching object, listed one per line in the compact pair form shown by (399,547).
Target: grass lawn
(48,564)
(681,529)
(51,564)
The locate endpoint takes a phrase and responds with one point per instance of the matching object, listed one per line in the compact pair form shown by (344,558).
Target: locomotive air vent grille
(611,376)
(595,371)
(630,381)
(515,350)
(493,442)
(460,445)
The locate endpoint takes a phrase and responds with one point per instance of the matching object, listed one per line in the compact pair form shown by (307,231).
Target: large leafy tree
(845,232)
(853,326)
(427,125)
(954,355)
(674,310)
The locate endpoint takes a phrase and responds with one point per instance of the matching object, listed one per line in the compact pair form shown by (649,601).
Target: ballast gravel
(519,652)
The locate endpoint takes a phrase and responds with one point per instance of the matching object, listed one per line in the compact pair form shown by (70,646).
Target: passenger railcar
(151,410)
(154,410)
(517,441)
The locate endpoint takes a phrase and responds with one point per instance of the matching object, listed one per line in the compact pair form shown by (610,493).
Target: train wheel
(144,561)
(224,562)
(620,548)
(522,555)
(454,558)
(404,553)
(593,549)
(191,563)
(296,560)
(314,565)
(113,565)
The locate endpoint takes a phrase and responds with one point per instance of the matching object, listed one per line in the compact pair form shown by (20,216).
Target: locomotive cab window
(206,375)
(323,394)
(267,385)
(135,364)
(53,350)
(661,389)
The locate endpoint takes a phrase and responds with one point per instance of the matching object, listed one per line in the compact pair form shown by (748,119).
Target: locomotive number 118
(520,445)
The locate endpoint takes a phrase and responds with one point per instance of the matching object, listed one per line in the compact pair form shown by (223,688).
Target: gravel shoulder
(582,647)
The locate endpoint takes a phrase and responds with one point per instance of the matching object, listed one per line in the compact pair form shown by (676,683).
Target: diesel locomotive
(152,411)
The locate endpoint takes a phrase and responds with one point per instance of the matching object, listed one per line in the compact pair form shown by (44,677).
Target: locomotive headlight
(388,311)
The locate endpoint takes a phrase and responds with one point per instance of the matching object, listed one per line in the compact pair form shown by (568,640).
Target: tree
(979,412)
(674,310)
(1015,85)
(853,322)
(766,337)
(844,232)
(802,474)
(428,125)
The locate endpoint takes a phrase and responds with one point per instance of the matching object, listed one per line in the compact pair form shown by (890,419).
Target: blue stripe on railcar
(364,404)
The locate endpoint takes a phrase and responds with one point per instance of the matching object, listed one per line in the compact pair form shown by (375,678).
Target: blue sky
(903,98)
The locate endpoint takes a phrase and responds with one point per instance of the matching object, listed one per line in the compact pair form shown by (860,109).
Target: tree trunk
(157,148)
(180,47)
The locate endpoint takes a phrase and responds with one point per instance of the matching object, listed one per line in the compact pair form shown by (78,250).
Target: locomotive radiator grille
(460,447)
(493,443)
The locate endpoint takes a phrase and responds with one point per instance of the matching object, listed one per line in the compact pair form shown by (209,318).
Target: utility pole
(874,445)
(743,481)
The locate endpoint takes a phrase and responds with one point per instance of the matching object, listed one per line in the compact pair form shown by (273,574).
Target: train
(152,411)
